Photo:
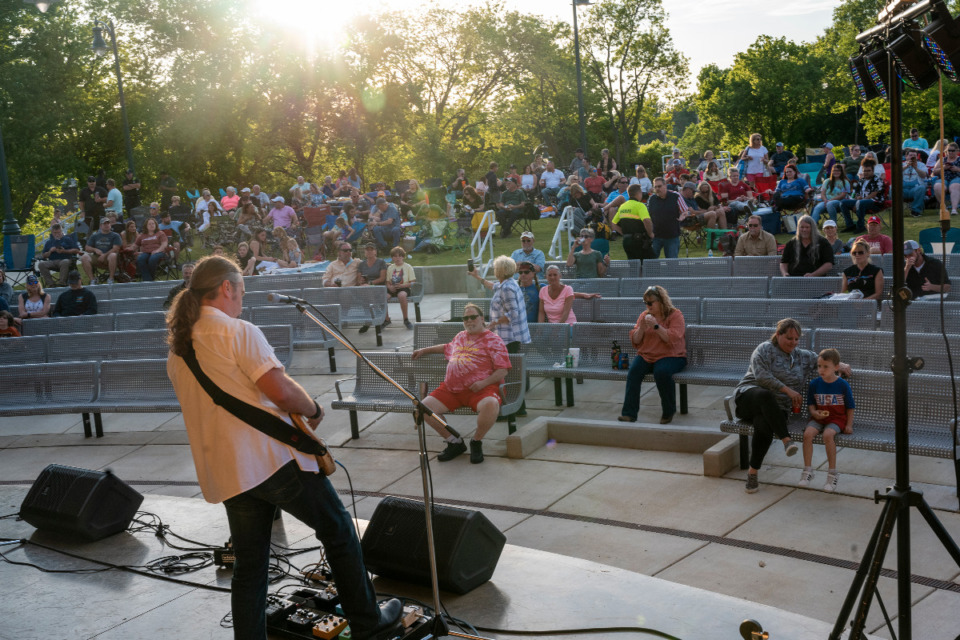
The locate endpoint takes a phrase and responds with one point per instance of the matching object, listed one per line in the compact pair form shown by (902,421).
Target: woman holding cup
(661,348)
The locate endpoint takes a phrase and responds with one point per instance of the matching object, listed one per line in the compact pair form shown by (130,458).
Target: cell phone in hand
(470,265)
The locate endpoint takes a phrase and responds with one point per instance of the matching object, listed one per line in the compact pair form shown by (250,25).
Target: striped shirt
(508,302)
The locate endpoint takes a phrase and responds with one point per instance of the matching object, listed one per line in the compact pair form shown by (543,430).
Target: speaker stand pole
(438,625)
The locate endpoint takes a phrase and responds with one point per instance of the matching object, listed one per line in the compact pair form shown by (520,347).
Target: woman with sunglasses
(661,348)
(862,275)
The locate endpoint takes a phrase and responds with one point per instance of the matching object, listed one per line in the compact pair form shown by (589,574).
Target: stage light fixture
(942,39)
(876,60)
(914,62)
(861,77)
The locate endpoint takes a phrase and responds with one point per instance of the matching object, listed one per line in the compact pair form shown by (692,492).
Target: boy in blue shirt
(830,403)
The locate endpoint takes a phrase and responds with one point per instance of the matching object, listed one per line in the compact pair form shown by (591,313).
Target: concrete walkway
(641,513)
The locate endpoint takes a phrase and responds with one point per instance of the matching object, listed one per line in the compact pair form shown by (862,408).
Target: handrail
(565,224)
(68,223)
(482,242)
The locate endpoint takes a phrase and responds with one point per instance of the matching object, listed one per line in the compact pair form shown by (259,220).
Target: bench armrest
(726,405)
(337,387)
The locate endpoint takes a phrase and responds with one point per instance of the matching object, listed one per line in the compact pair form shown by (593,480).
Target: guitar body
(325,461)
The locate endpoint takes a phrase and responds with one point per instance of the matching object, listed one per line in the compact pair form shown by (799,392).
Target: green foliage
(651,156)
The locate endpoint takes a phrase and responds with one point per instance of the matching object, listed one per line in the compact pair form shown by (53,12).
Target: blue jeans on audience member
(147,264)
(671,247)
(310,498)
(663,371)
(381,234)
(549,195)
(914,192)
(864,208)
(832,208)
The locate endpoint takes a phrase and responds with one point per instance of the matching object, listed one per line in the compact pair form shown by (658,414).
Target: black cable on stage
(562,632)
(10,515)
(353,497)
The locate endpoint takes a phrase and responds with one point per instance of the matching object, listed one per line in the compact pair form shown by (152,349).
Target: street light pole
(576,49)
(100,48)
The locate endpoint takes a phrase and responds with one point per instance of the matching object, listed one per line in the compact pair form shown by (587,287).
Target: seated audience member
(709,202)
(949,164)
(736,194)
(790,191)
(862,275)
(315,197)
(6,289)
(411,200)
(528,180)
(922,274)
(633,222)
(512,206)
(589,263)
(556,299)
(641,178)
(696,215)
(202,207)
(152,246)
(530,288)
(102,250)
(373,270)
(291,256)
(472,199)
(914,183)
(59,252)
(33,302)
(528,253)
(878,169)
(659,338)
(617,196)
(756,241)
(593,183)
(677,159)
(281,215)
(258,250)
(231,201)
(178,229)
(187,271)
(7,328)
(550,182)
(76,301)
(830,233)
(713,173)
(245,258)
(606,163)
(343,271)
(400,278)
(915,141)
(674,173)
(878,243)
(835,193)
(851,164)
(808,253)
(779,159)
(708,157)
(387,230)
(869,199)
(459,182)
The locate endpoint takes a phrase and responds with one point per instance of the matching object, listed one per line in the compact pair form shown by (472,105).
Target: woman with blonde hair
(862,275)
(756,157)
(508,311)
(659,338)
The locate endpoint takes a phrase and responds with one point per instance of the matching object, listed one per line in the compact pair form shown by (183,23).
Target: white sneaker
(109,280)
(805,477)
(832,479)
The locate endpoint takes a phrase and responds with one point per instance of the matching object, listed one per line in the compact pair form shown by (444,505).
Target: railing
(68,223)
(558,247)
(483,243)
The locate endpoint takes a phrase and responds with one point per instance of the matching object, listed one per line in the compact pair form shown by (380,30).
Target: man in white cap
(282,215)
(923,276)
(528,254)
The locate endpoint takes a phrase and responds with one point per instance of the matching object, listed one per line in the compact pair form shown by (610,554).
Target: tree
(631,62)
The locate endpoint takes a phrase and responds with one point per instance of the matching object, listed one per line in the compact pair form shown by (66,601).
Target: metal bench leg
(98,425)
(569,392)
(416,310)
(558,391)
(511,423)
(683,398)
(87,430)
(332,356)
(744,452)
(379,336)
(354,426)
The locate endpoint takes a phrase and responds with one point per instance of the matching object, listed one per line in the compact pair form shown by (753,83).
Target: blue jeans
(663,372)
(914,192)
(832,209)
(671,247)
(147,264)
(382,233)
(549,195)
(864,208)
(310,498)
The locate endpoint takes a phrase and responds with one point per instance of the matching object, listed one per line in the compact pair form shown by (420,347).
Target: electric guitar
(325,461)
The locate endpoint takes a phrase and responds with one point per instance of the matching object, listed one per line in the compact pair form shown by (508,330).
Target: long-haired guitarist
(248,471)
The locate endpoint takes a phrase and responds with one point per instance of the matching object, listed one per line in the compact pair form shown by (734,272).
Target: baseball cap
(105,220)
(874,220)
(779,144)
(526,234)
(690,185)
(827,145)
(279,199)
(32,279)
(381,201)
(245,190)
(910,246)
(381,194)
(829,223)
(91,179)
(73,276)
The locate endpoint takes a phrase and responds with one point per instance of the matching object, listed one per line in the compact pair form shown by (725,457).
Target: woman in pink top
(231,201)
(556,299)
(661,349)
(153,246)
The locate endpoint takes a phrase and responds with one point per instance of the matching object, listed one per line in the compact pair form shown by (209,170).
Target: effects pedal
(329,626)
(303,620)
(278,609)
(224,556)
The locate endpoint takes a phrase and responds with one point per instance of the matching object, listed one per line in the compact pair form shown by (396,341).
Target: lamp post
(10,225)
(100,49)
(576,50)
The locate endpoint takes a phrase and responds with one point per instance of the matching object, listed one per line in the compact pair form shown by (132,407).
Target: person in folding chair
(250,472)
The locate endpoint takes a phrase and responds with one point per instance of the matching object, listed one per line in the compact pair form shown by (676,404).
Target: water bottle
(856,294)
(615,355)
(710,252)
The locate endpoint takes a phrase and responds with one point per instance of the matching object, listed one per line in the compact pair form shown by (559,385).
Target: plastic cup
(575,354)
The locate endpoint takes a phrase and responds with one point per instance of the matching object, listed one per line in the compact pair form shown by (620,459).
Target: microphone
(276,297)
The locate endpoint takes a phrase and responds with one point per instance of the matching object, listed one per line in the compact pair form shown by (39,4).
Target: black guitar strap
(258,418)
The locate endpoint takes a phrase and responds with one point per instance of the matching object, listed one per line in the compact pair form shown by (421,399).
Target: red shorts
(466,398)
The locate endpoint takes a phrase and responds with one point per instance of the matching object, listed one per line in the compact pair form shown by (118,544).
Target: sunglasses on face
(857,253)
(472,316)
(523,271)
(649,303)
(753,226)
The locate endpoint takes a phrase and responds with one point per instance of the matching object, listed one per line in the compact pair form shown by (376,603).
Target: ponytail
(205,282)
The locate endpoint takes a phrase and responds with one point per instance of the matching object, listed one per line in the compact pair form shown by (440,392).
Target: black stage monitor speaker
(88,504)
(395,545)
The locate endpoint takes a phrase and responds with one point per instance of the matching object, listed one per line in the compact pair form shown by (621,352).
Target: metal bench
(723,287)
(803,288)
(45,389)
(372,393)
(595,342)
(260,298)
(606,287)
(624,269)
(688,267)
(831,314)
(457,305)
(108,345)
(931,411)
(359,306)
(873,350)
(158,289)
(307,334)
(923,316)
(629,309)
(22,350)
(415,294)
(73,324)
(132,305)
(133,386)
(140,321)
(762,266)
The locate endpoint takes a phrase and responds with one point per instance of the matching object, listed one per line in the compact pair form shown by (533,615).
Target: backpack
(727,243)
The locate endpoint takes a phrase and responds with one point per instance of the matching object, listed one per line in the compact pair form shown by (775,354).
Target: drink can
(796,408)
(624,361)
(569,361)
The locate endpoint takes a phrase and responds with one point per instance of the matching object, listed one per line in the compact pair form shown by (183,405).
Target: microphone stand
(438,625)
